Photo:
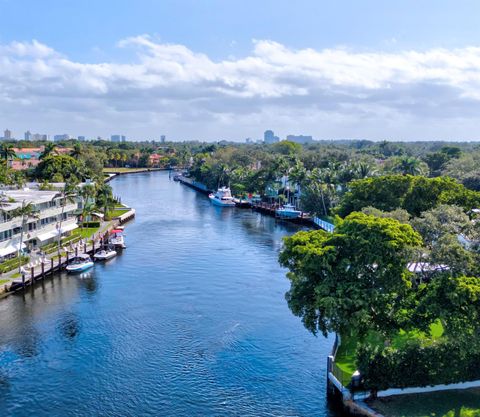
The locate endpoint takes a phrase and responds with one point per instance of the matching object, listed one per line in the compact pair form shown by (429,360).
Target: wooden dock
(198,186)
(40,270)
(270,210)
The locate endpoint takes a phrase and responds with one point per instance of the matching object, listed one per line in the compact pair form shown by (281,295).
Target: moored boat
(117,239)
(80,263)
(222,198)
(105,254)
(288,211)
(242,202)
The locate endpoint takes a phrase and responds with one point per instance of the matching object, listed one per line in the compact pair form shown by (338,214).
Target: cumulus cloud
(169,88)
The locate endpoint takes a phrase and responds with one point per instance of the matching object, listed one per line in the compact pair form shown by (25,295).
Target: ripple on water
(190,320)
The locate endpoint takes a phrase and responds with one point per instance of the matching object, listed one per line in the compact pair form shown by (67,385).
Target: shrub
(441,362)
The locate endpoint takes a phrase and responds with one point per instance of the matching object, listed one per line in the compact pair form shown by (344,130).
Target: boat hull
(79,268)
(220,203)
(287,214)
(104,257)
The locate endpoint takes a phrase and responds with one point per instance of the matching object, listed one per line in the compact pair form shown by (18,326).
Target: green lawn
(123,170)
(118,211)
(346,354)
(86,232)
(454,403)
(3,281)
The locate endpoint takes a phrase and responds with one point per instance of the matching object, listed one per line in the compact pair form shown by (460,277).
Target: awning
(54,233)
(69,227)
(11,249)
(45,236)
(99,215)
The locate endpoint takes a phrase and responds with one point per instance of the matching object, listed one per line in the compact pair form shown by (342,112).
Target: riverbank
(198,295)
(52,263)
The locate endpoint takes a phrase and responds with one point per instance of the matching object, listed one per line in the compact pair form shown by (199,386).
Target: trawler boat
(288,211)
(117,239)
(223,198)
(80,263)
(105,254)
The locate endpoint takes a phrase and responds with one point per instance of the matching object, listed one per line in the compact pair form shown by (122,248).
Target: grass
(13,264)
(86,232)
(453,403)
(346,355)
(117,212)
(3,281)
(123,170)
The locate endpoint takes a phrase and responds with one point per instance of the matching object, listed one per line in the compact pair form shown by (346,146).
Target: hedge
(416,365)
(91,224)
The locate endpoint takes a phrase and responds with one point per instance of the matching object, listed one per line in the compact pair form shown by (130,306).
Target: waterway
(190,320)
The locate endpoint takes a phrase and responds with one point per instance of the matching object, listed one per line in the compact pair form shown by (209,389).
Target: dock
(270,210)
(198,186)
(41,269)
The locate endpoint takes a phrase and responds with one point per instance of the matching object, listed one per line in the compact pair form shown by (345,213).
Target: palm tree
(105,200)
(408,165)
(77,151)
(49,149)
(67,195)
(7,152)
(26,211)
(87,210)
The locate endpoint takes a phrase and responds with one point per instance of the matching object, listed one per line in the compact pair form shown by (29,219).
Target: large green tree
(354,280)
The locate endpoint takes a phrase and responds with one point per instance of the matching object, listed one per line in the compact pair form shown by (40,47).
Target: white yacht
(223,198)
(105,254)
(288,211)
(117,239)
(80,263)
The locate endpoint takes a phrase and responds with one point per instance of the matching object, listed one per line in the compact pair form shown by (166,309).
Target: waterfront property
(52,215)
(159,331)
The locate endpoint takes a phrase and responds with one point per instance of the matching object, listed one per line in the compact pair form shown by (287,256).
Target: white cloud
(170,88)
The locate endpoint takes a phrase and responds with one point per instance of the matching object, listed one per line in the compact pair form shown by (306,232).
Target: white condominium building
(42,227)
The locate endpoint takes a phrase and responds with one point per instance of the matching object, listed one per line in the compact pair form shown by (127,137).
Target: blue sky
(217,69)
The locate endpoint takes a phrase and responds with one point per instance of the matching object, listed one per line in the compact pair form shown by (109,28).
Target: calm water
(190,320)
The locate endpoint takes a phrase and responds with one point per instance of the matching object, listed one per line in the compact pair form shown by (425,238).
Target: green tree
(49,149)
(7,152)
(26,212)
(67,195)
(77,151)
(353,280)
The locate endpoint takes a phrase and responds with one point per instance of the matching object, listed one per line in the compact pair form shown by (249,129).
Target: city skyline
(414,75)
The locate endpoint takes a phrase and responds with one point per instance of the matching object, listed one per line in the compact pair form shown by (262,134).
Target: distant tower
(7,135)
(28,135)
(163,138)
(269,137)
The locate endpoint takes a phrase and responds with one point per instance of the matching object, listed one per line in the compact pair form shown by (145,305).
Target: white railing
(323,224)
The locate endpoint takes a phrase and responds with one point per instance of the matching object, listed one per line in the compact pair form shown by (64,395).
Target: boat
(223,198)
(80,263)
(105,254)
(288,211)
(242,202)
(117,239)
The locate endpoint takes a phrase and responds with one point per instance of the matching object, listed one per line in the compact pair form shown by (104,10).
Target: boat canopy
(116,231)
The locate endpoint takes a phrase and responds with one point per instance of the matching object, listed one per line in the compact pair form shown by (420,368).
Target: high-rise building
(300,138)
(269,137)
(118,138)
(38,136)
(163,138)
(81,138)
(7,135)
(28,135)
(59,138)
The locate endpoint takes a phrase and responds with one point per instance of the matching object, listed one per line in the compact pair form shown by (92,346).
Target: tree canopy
(353,279)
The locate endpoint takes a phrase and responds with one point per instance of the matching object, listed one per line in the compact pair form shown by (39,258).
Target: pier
(42,268)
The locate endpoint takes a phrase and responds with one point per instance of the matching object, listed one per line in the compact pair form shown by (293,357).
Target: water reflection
(69,325)
(189,320)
